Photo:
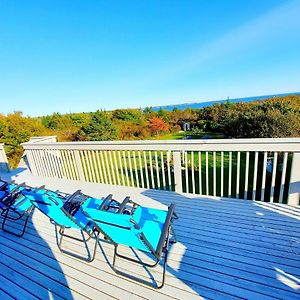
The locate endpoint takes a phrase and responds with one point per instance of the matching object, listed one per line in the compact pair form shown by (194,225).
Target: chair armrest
(71,197)
(123,205)
(165,230)
(105,201)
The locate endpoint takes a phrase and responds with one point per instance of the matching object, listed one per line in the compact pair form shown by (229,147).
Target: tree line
(271,118)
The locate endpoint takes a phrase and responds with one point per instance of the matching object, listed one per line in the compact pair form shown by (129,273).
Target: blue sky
(72,56)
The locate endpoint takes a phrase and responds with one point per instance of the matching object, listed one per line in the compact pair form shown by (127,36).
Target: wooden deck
(227,249)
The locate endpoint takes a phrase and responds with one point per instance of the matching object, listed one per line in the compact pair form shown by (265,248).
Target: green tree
(133,115)
(100,128)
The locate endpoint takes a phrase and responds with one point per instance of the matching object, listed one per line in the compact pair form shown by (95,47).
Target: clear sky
(73,56)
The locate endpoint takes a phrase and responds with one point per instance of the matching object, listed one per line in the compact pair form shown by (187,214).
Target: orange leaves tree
(157,125)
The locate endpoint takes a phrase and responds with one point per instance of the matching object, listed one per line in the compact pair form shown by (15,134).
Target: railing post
(79,167)
(177,171)
(294,189)
(4,166)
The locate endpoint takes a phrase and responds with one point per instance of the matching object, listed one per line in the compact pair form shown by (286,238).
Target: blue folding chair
(14,206)
(66,213)
(138,227)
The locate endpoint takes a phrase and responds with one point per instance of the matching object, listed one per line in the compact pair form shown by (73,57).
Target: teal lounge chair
(137,227)
(14,206)
(66,213)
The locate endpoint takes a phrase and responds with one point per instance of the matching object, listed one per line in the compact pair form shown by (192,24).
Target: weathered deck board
(227,249)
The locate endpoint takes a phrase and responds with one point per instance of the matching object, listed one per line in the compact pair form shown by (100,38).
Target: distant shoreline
(210,103)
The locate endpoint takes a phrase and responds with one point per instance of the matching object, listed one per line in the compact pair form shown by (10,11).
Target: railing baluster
(52,163)
(222,174)
(238,166)
(41,166)
(116,167)
(87,165)
(294,185)
(246,175)
(98,165)
(73,168)
(169,170)
(49,163)
(36,163)
(263,183)
(141,169)
(83,163)
(215,175)
(151,170)
(59,163)
(121,168)
(72,160)
(44,164)
(70,167)
(283,175)
(273,176)
(193,172)
(130,168)
(92,166)
(255,176)
(206,168)
(157,170)
(163,169)
(200,171)
(107,167)
(229,174)
(79,165)
(40,163)
(95,165)
(146,169)
(126,169)
(112,167)
(103,167)
(66,165)
(137,180)
(186,171)
(31,162)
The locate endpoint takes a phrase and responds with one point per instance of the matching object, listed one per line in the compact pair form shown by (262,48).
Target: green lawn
(158,171)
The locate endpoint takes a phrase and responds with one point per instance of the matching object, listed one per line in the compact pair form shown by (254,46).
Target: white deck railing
(4,166)
(254,169)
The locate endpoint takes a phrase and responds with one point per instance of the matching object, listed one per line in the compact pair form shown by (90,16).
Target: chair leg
(134,260)
(90,257)
(174,237)
(6,217)
(165,251)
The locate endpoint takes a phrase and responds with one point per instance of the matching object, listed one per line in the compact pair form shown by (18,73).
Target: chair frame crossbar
(90,256)
(91,234)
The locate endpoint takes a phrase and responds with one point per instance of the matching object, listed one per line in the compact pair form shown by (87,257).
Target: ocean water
(210,103)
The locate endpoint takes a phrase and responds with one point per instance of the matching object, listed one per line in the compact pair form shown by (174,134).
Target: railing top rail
(42,139)
(273,144)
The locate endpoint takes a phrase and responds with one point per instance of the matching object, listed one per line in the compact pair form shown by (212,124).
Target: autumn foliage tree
(16,129)
(158,125)
(274,117)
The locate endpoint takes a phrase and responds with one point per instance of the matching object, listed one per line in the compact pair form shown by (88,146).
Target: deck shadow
(235,248)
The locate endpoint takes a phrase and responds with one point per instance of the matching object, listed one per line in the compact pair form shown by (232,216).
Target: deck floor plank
(227,249)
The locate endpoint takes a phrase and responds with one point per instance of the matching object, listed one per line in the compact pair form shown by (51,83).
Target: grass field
(136,167)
